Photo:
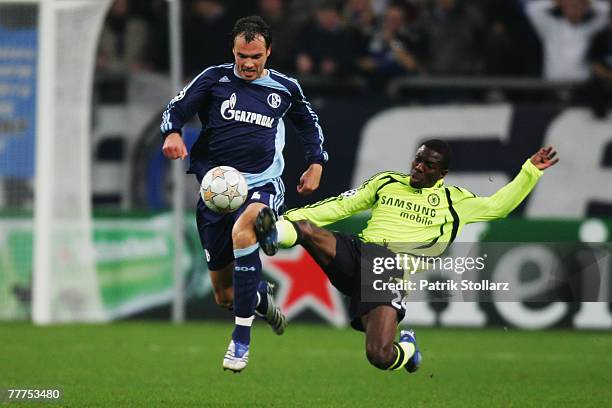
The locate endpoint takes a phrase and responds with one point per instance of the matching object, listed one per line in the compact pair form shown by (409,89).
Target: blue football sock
(242,334)
(247,275)
(262,291)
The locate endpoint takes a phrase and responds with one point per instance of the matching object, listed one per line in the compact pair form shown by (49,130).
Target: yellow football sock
(404,351)
(287,235)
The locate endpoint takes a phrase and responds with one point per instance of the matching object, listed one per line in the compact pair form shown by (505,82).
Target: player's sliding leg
(265,229)
(380,323)
(382,350)
(271,234)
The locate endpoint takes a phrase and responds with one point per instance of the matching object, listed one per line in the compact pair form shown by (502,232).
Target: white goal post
(65,286)
(47,62)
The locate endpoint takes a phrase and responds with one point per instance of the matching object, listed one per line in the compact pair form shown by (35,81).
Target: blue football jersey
(242,122)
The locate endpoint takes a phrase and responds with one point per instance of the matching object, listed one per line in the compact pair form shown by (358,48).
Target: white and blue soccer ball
(224,189)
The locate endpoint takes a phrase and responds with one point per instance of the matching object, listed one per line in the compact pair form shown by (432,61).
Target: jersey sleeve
(186,104)
(307,125)
(473,208)
(337,208)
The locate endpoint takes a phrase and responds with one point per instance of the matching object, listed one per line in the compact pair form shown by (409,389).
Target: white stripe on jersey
(312,113)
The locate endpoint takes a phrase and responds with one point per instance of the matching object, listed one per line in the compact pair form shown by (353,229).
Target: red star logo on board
(303,285)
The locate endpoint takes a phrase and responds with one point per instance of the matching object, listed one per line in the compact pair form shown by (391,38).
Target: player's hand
(174,147)
(545,158)
(309,181)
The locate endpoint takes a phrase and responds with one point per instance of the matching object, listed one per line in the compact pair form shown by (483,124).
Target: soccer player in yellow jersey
(417,208)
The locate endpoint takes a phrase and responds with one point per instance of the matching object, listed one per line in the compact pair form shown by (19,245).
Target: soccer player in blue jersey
(241,106)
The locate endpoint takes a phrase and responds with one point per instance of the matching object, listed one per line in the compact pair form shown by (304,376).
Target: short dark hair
(443,148)
(251,27)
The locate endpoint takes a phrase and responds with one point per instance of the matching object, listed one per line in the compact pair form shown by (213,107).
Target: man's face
(394,19)
(574,10)
(250,57)
(426,168)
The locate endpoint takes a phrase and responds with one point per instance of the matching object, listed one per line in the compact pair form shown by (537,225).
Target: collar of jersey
(439,184)
(267,74)
(266,81)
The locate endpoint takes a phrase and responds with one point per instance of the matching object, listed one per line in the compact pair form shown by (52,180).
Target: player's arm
(337,208)
(178,112)
(307,125)
(506,199)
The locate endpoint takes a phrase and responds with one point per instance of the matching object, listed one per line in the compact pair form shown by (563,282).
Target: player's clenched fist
(545,158)
(309,181)
(174,147)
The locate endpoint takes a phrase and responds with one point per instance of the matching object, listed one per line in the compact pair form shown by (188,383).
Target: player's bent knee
(243,235)
(380,356)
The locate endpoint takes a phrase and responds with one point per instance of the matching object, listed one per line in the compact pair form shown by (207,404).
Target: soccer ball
(224,189)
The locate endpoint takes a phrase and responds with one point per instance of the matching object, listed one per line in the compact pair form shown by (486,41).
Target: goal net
(47,54)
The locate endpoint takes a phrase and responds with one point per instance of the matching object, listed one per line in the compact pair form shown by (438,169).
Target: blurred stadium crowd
(370,42)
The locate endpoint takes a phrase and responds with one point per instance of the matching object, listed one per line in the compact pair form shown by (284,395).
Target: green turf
(149,364)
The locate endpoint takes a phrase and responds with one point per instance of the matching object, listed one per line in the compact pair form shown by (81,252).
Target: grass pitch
(158,364)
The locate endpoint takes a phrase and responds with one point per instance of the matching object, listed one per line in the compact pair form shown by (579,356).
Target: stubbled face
(250,57)
(426,168)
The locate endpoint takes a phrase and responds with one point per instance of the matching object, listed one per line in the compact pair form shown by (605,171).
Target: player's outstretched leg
(268,310)
(272,235)
(265,230)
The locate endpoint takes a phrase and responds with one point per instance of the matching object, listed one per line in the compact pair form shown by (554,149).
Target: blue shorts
(216,229)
